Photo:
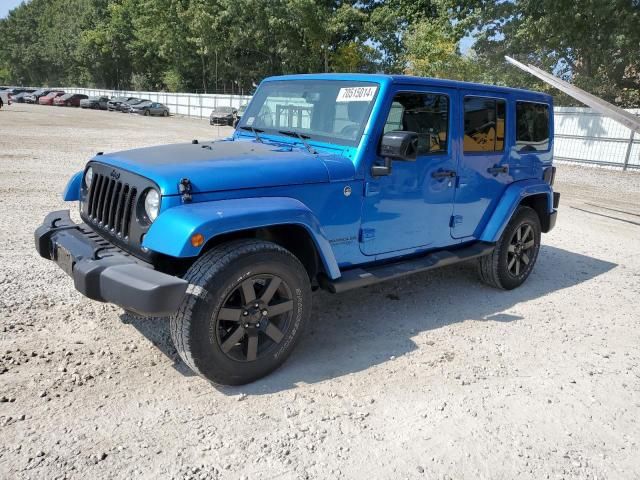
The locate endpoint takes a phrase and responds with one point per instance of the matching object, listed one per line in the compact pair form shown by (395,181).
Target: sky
(6,5)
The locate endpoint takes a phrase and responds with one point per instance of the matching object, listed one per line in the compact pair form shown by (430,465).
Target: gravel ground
(434,376)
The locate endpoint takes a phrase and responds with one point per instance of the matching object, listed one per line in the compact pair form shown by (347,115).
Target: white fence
(581,135)
(187,104)
(585,136)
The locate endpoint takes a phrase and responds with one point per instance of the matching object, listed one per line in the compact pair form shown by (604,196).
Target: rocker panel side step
(361,277)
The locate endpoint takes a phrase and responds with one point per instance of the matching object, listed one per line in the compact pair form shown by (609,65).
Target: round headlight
(88,177)
(152,204)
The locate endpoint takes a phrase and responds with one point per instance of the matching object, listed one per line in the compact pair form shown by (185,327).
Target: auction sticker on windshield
(356,94)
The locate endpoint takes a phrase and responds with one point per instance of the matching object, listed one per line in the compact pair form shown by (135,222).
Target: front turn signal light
(197,240)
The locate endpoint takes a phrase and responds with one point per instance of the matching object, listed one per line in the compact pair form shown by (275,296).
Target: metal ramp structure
(601,106)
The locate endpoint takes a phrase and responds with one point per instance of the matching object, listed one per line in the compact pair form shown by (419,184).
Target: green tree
(593,43)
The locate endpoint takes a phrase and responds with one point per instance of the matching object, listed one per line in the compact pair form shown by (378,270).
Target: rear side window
(426,114)
(484,124)
(532,126)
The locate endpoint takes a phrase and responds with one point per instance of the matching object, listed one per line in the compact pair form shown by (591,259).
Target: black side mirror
(399,145)
(396,145)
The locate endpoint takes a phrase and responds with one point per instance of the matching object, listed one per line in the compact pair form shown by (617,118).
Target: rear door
(483,167)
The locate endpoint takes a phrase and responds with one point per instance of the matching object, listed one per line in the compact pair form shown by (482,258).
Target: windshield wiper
(253,130)
(303,138)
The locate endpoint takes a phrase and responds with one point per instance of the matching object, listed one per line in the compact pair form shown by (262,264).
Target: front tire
(245,309)
(515,255)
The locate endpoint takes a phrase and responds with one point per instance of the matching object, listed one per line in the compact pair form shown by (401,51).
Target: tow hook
(184,187)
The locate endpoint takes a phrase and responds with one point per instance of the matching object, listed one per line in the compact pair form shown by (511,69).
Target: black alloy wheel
(244,312)
(254,318)
(515,254)
(521,249)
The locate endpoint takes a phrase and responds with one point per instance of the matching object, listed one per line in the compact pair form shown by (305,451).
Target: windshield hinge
(184,187)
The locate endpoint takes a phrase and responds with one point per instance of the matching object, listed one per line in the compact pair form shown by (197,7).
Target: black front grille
(110,204)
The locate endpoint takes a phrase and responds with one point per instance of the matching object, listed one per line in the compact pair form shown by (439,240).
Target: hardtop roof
(418,81)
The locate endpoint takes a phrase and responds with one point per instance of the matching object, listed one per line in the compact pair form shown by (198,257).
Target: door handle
(495,170)
(443,174)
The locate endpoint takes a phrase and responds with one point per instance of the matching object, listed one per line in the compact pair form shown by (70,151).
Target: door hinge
(455,221)
(367,234)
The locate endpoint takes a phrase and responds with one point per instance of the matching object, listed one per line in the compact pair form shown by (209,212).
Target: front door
(483,170)
(411,207)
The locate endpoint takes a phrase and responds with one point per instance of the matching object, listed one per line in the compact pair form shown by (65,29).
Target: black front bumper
(103,272)
(221,121)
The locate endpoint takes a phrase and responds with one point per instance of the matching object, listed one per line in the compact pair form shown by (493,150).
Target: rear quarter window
(532,127)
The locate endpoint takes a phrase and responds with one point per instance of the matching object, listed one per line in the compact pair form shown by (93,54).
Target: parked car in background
(35,96)
(150,108)
(48,99)
(238,115)
(222,116)
(114,103)
(21,97)
(5,98)
(97,103)
(13,91)
(69,100)
(125,107)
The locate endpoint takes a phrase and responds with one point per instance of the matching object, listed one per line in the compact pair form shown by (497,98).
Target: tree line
(230,45)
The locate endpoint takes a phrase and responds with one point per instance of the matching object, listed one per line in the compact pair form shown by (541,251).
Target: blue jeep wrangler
(329,181)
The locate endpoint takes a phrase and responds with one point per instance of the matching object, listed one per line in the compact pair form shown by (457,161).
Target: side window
(394,120)
(532,126)
(426,114)
(484,121)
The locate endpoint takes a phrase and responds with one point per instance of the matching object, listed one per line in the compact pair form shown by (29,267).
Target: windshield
(324,110)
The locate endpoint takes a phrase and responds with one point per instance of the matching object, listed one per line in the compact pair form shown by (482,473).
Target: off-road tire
(1,104)
(493,269)
(215,276)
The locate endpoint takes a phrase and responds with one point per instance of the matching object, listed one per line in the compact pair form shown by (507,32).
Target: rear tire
(515,255)
(219,331)
(146,113)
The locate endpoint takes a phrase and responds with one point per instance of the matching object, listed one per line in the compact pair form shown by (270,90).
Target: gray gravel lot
(435,376)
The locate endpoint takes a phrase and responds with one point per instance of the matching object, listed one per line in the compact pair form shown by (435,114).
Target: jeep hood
(229,165)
